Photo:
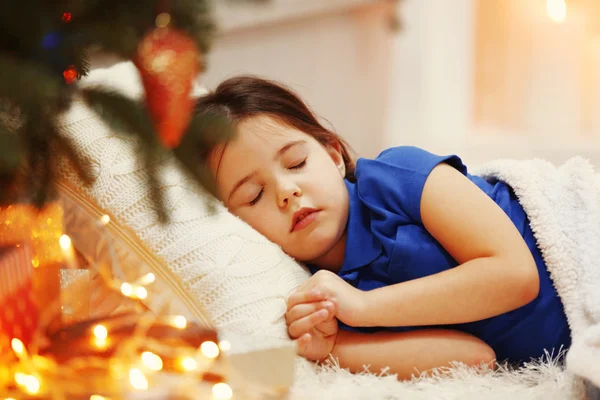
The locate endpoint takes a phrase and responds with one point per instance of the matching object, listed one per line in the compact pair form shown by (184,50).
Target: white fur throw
(563,206)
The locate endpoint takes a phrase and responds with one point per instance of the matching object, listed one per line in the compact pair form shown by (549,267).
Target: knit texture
(241,278)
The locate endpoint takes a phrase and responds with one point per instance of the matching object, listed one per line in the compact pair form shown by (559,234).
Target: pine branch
(205,130)
(128,117)
(82,166)
(11,151)
(121,113)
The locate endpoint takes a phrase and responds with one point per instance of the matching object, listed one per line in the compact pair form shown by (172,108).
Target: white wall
(433,93)
(335,54)
(431,84)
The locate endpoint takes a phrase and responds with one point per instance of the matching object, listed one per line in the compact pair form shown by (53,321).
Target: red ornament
(70,74)
(66,17)
(168,61)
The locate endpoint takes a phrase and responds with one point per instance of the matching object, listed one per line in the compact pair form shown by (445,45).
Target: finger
(302,344)
(304,297)
(304,309)
(305,324)
(327,328)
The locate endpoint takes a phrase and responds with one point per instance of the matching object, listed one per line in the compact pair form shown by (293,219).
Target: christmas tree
(44,49)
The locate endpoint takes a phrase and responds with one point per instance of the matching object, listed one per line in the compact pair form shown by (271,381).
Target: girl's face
(287,186)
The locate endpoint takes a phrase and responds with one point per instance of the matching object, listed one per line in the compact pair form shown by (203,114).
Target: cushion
(209,258)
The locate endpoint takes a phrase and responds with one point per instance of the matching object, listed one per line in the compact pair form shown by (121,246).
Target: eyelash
(302,164)
(257,198)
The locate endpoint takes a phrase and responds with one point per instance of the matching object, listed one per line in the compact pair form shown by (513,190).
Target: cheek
(262,219)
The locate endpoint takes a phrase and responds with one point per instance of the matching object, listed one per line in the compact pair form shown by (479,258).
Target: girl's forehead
(266,129)
(258,137)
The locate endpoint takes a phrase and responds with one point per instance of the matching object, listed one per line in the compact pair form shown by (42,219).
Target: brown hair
(243,97)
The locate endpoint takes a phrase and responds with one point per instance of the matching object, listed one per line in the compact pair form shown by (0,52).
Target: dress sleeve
(394,180)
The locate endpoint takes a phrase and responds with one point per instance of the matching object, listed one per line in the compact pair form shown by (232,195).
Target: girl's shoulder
(394,180)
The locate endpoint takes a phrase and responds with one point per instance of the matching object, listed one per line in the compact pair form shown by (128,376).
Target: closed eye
(257,198)
(300,165)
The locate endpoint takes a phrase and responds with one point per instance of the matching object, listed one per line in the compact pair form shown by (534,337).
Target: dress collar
(362,247)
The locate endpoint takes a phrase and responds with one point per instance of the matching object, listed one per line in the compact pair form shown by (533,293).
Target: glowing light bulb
(557,10)
(222,391)
(224,345)
(127,289)
(97,397)
(209,349)
(17,346)
(137,379)
(32,386)
(147,279)
(29,382)
(152,361)
(20,378)
(189,364)
(141,292)
(105,219)
(64,242)
(179,321)
(100,332)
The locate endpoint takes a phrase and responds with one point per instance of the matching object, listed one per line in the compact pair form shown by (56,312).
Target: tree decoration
(44,51)
(168,61)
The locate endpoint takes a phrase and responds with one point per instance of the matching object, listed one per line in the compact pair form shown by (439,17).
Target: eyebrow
(285,148)
(279,153)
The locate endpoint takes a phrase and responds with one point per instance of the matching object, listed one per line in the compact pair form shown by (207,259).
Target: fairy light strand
(35,375)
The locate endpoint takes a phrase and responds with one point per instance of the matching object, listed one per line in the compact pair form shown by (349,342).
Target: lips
(303,217)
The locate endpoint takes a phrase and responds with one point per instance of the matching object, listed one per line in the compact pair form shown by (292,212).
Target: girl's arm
(409,353)
(497,272)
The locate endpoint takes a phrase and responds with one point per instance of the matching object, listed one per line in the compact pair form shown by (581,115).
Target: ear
(335,152)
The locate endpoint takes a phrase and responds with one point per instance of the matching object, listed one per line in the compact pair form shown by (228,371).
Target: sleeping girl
(416,262)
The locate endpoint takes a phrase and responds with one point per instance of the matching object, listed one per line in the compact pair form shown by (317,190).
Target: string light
(209,349)
(222,391)
(147,279)
(17,346)
(104,220)
(152,361)
(224,345)
(65,242)
(179,321)
(38,372)
(100,332)
(70,74)
(137,379)
(29,382)
(188,363)
(127,289)
(141,292)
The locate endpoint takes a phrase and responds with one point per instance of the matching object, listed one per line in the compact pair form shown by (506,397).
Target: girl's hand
(311,320)
(350,301)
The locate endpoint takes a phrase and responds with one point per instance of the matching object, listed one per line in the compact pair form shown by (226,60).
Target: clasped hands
(314,309)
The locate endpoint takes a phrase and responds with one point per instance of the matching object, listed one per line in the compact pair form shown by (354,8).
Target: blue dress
(386,243)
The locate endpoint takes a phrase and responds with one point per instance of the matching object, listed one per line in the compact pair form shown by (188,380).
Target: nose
(286,192)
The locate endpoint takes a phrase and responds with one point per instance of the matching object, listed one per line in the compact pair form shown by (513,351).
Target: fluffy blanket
(563,205)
